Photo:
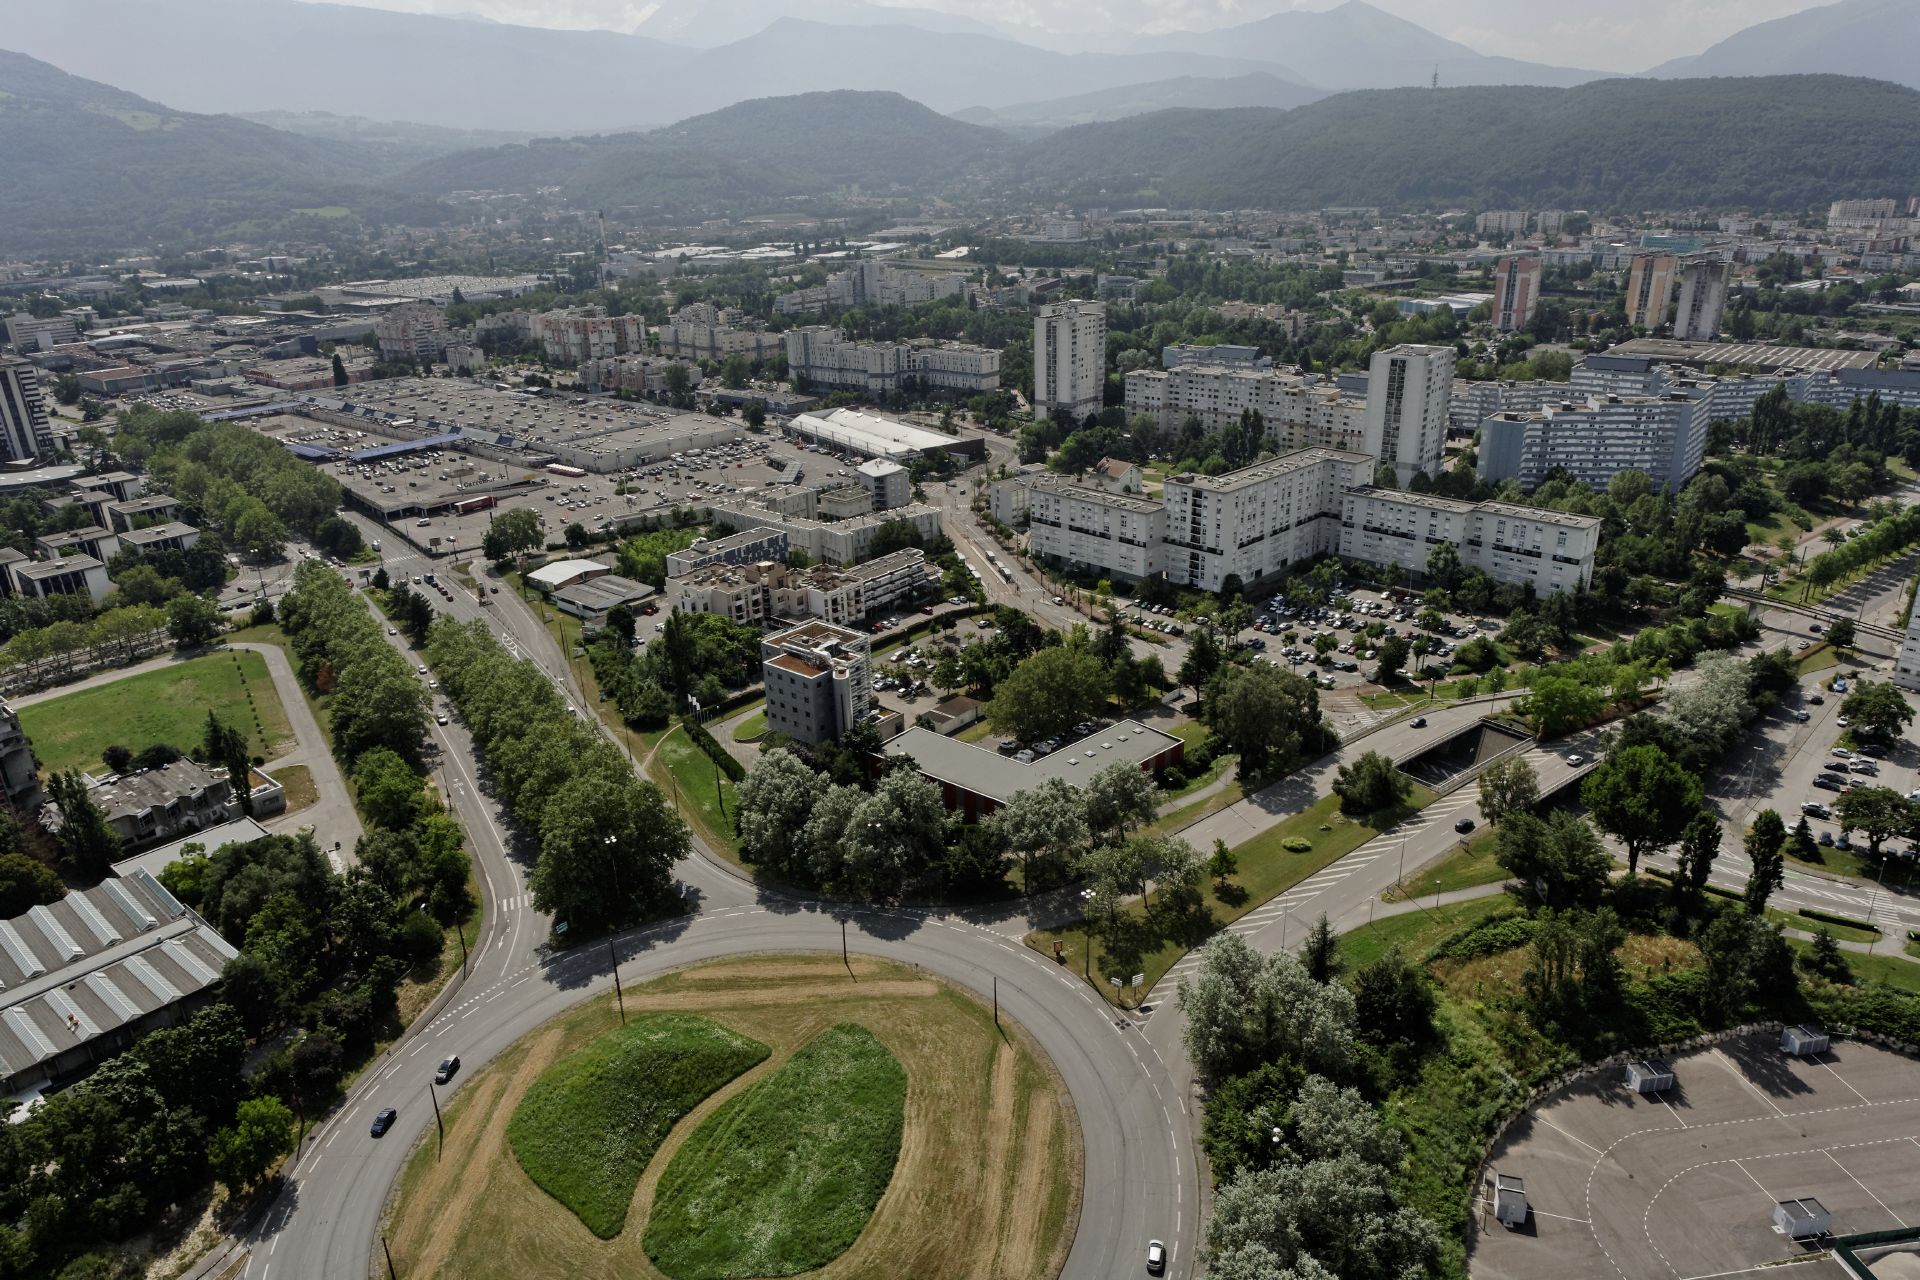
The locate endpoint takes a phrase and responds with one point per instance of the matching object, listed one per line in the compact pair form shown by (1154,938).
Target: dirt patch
(989,1154)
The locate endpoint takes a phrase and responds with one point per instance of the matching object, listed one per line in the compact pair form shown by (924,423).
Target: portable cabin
(1802,1219)
(1803,1041)
(1649,1076)
(1509,1200)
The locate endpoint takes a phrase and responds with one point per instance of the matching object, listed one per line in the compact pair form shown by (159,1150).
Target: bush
(1297,844)
(1488,937)
(420,937)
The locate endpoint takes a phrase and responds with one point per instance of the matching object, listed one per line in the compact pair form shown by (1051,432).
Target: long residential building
(767,590)
(1253,524)
(874,283)
(822,355)
(573,337)
(1664,436)
(701,331)
(1300,410)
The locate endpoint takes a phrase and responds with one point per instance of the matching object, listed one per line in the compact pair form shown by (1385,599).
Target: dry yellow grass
(987,1185)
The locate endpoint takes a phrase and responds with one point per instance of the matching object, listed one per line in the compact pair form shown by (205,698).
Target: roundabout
(786,1148)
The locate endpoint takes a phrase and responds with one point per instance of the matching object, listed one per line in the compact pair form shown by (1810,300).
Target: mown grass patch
(1465,866)
(1419,931)
(587,1128)
(167,705)
(783,1177)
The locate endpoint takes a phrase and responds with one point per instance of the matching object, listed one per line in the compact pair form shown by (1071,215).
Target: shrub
(1297,844)
(1486,938)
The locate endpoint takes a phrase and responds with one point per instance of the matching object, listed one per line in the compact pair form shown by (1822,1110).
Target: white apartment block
(1176,355)
(1409,393)
(873,283)
(1650,289)
(1084,526)
(26,429)
(955,366)
(1860,214)
(30,333)
(1300,410)
(574,337)
(844,541)
(1906,667)
(762,592)
(888,484)
(412,331)
(819,680)
(1069,358)
(1664,436)
(645,375)
(822,356)
(1516,292)
(1253,523)
(1703,297)
(1547,550)
(1501,222)
(701,331)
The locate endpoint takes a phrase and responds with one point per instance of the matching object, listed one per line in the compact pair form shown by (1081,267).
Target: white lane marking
(1864,1187)
(1557,1129)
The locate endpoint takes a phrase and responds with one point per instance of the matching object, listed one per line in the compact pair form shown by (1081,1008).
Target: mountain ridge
(1851,37)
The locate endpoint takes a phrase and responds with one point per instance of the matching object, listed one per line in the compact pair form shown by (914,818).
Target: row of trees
(228,476)
(607,841)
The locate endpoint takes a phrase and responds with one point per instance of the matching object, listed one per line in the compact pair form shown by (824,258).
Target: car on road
(1464,825)
(1841,721)
(447,1069)
(1800,714)
(1059,600)
(384,1121)
(1801,645)
(1816,699)
(441,719)
(1840,685)
(1816,628)
(1156,1258)
(1419,722)
(1576,759)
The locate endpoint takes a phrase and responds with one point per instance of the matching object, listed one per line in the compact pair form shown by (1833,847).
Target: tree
(241,1154)
(1444,569)
(1880,812)
(1699,846)
(621,622)
(1243,1008)
(1320,953)
(1768,869)
(227,748)
(896,534)
(576,536)
(338,538)
(1556,704)
(192,621)
(1393,656)
(1508,787)
(607,850)
(259,532)
(1047,694)
(1841,634)
(1826,959)
(381,580)
(775,799)
(510,533)
(1371,785)
(1045,827)
(1642,798)
(86,841)
(1119,798)
(1801,844)
(1265,714)
(1877,710)
(1222,863)
(25,883)
(1393,1001)
(1740,954)
(388,788)
(895,833)
(1203,658)
(1112,644)
(1558,862)
(339,371)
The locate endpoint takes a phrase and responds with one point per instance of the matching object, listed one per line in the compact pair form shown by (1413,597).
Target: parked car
(384,1121)
(1827,782)
(1801,715)
(1817,700)
(1826,839)
(1575,759)
(448,1068)
(1814,809)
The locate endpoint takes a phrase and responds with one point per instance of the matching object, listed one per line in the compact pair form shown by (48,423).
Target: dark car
(1827,782)
(447,1069)
(1817,700)
(1464,825)
(384,1121)
(1419,722)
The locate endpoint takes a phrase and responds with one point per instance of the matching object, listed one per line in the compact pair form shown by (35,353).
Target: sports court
(1683,1184)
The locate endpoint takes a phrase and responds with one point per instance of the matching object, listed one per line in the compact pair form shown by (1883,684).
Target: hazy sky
(1627,35)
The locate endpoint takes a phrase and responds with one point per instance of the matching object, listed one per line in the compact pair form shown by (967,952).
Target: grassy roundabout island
(765,1116)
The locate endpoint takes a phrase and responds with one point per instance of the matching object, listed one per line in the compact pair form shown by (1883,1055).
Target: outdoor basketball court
(1683,1185)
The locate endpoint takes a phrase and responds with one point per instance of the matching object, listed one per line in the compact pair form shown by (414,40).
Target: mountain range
(1877,38)
(1255,89)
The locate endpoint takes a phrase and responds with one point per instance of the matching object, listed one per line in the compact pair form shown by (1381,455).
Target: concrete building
(854,431)
(887,483)
(1906,666)
(593,599)
(1703,297)
(1252,523)
(32,333)
(1069,358)
(974,780)
(757,593)
(173,535)
(565,573)
(844,541)
(26,427)
(701,331)
(818,679)
(19,775)
(588,333)
(1501,222)
(1650,289)
(642,375)
(126,515)
(819,354)
(1516,292)
(954,366)
(1177,355)
(416,331)
(1086,527)
(1547,550)
(1664,436)
(71,576)
(1409,393)
(92,540)
(1300,410)
(749,546)
(1612,375)
(154,805)
(82,978)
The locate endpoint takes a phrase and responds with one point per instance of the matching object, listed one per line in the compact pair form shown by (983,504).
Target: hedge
(734,770)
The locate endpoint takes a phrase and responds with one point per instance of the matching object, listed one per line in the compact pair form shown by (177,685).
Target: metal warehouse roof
(988,773)
(404,446)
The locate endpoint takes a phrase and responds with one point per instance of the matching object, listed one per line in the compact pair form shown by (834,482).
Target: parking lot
(1355,651)
(1684,1183)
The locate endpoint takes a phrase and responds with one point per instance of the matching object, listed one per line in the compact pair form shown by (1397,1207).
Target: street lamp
(1086,925)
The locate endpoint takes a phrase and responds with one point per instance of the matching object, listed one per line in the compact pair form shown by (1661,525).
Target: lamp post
(1086,926)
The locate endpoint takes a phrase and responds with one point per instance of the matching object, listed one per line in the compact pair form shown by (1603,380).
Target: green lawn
(1460,869)
(169,705)
(979,731)
(695,784)
(752,729)
(1418,931)
(783,1176)
(1888,968)
(590,1124)
(1267,868)
(1818,658)
(1807,924)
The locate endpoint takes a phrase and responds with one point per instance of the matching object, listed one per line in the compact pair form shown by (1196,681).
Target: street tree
(1047,694)
(1800,842)
(1841,634)
(775,799)
(1393,656)
(1222,863)
(895,833)
(192,621)
(607,850)
(388,788)
(1767,869)
(261,1133)
(1320,953)
(1243,1009)
(1642,798)
(1203,659)
(1877,812)
(1557,704)
(1045,827)
(1558,862)
(510,533)
(1699,846)
(1507,787)
(224,746)
(1371,785)
(1119,798)
(1878,710)
(1265,714)
(86,841)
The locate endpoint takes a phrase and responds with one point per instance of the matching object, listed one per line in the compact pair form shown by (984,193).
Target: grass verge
(752,729)
(589,1125)
(1418,931)
(297,779)
(168,705)
(783,1177)
(1462,867)
(704,796)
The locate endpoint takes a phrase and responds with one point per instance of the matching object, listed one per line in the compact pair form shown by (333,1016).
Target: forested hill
(1771,142)
(765,149)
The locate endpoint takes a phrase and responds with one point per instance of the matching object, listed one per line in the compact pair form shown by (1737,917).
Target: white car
(1576,759)
(441,718)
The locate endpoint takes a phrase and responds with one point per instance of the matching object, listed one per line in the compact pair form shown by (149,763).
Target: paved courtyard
(1683,1184)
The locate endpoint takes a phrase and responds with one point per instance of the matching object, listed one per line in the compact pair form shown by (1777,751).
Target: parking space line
(1557,1129)
(1842,1079)
(1771,1198)
(1741,1076)
(1676,1114)
(1864,1187)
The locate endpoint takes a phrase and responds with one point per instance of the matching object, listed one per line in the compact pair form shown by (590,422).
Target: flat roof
(239,831)
(986,772)
(1759,354)
(159,532)
(1074,487)
(556,574)
(1262,471)
(871,433)
(798,665)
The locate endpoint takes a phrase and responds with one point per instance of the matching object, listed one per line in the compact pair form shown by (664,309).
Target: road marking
(1557,1129)
(1765,1266)
(1771,1198)
(1864,1187)
(1741,1076)
(1842,1079)
(1669,1107)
